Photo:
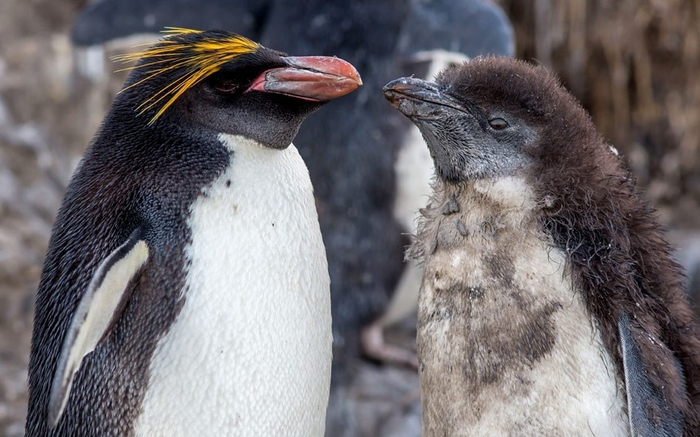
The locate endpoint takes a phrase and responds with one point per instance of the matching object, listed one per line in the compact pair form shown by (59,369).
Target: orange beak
(315,78)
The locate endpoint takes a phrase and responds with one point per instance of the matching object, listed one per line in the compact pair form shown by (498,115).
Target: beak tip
(392,90)
(346,71)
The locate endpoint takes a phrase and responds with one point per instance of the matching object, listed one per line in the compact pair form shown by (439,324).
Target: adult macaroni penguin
(185,290)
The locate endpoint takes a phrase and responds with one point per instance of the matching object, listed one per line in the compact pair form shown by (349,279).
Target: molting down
(550,304)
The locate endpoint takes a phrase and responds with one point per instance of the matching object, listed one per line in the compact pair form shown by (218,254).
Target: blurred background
(632,63)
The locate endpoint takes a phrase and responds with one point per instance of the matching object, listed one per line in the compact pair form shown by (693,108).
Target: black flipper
(650,414)
(99,307)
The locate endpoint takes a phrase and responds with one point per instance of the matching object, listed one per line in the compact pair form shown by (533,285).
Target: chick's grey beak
(418,98)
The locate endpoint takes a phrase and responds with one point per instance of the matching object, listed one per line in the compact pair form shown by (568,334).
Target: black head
(487,117)
(226,83)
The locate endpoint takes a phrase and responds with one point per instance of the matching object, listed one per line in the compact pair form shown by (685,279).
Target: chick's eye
(227,86)
(498,123)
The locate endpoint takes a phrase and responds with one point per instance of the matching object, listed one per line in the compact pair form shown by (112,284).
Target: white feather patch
(93,317)
(250,352)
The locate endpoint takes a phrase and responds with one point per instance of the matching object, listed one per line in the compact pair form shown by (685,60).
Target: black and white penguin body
(185,290)
(434,36)
(374,175)
(550,304)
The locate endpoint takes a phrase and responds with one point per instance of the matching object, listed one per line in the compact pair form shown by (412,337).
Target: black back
(130,178)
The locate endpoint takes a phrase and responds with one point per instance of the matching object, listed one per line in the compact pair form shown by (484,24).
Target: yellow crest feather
(191,55)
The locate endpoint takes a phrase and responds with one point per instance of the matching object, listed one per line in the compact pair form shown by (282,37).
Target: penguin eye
(498,123)
(226,86)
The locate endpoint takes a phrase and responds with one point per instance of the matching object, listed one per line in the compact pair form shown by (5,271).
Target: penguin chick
(185,290)
(550,304)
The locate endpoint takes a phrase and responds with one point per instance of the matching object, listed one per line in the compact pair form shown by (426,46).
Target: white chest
(505,344)
(250,352)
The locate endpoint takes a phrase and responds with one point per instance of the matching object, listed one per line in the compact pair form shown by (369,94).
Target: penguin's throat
(474,211)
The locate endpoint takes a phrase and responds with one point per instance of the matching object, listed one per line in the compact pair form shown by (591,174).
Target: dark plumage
(493,120)
(158,151)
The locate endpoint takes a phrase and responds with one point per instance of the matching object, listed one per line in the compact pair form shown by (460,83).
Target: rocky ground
(52,98)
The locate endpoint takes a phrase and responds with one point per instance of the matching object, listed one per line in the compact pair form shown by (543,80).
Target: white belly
(505,342)
(250,352)
(573,390)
